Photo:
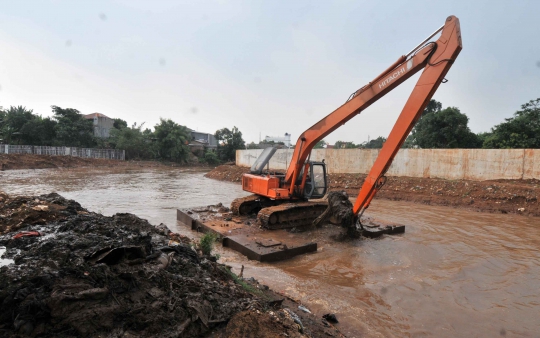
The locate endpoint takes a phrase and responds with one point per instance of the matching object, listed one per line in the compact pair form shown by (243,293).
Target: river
(454,273)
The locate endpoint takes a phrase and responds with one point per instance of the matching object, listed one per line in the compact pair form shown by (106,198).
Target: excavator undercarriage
(279,214)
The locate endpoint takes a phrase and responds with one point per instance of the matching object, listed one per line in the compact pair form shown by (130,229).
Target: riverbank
(28,161)
(79,273)
(497,196)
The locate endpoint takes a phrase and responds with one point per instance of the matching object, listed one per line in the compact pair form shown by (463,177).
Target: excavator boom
(435,58)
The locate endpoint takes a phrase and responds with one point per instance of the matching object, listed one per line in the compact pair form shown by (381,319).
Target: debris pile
(79,273)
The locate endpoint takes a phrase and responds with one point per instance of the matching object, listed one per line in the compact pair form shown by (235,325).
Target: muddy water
(454,273)
(150,193)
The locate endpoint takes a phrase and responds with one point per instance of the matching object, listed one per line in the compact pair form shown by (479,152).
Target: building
(285,139)
(102,124)
(201,141)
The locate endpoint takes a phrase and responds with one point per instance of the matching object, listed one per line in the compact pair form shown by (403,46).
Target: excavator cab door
(316,183)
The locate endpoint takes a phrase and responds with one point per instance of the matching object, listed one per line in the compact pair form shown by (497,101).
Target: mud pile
(499,196)
(79,273)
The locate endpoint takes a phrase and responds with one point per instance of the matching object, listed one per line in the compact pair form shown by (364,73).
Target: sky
(267,67)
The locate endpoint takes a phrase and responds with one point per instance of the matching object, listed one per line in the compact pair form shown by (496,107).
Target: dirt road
(499,196)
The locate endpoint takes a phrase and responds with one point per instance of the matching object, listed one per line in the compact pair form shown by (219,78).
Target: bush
(211,157)
(207,243)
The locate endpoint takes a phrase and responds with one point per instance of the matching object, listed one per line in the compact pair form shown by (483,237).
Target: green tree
(409,142)
(133,141)
(344,145)
(444,128)
(39,131)
(520,131)
(252,145)
(72,129)
(228,142)
(482,137)
(433,106)
(119,123)
(211,157)
(171,141)
(319,145)
(376,143)
(13,121)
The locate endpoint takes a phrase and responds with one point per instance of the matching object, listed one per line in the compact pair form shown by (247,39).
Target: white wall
(470,164)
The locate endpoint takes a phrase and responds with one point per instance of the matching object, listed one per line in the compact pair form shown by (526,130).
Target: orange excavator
(281,199)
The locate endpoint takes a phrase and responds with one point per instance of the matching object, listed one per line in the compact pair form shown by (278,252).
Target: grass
(249,288)
(207,243)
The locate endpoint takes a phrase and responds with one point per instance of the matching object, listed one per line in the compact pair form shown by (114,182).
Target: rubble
(84,274)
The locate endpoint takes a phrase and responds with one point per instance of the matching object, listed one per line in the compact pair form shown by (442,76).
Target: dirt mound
(18,212)
(500,196)
(230,173)
(79,273)
(263,325)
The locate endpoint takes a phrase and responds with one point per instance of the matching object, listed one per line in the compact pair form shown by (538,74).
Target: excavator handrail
(435,58)
(423,42)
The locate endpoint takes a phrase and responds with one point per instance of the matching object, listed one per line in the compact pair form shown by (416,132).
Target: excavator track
(290,215)
(251,204)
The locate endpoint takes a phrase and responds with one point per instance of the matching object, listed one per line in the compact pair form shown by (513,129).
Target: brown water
(454,273)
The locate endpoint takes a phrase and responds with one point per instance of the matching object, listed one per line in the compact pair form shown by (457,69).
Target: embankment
(28,161)
(75,273)
(499,196)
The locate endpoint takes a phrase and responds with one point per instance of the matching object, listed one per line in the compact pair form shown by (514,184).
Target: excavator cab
(316,183)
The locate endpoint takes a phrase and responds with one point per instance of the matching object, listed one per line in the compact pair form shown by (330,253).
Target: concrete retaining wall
(112,154)
(469,164)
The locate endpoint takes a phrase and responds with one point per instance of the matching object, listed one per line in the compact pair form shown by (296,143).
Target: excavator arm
(435,58)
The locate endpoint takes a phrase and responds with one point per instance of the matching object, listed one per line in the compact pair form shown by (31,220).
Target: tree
(252,145)
(320,145)
(433,106)
(119,123)
(375,143)
(482,137)
(39,131)
(211,157)
(443,128)
(520,131)
(13,120)
(409,142)
(133,141)
(172,141)
(228,142)
(72,129)
(344,145)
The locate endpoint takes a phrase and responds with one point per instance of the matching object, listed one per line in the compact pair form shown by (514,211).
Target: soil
(28,161)
(498,196)
(79,273)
